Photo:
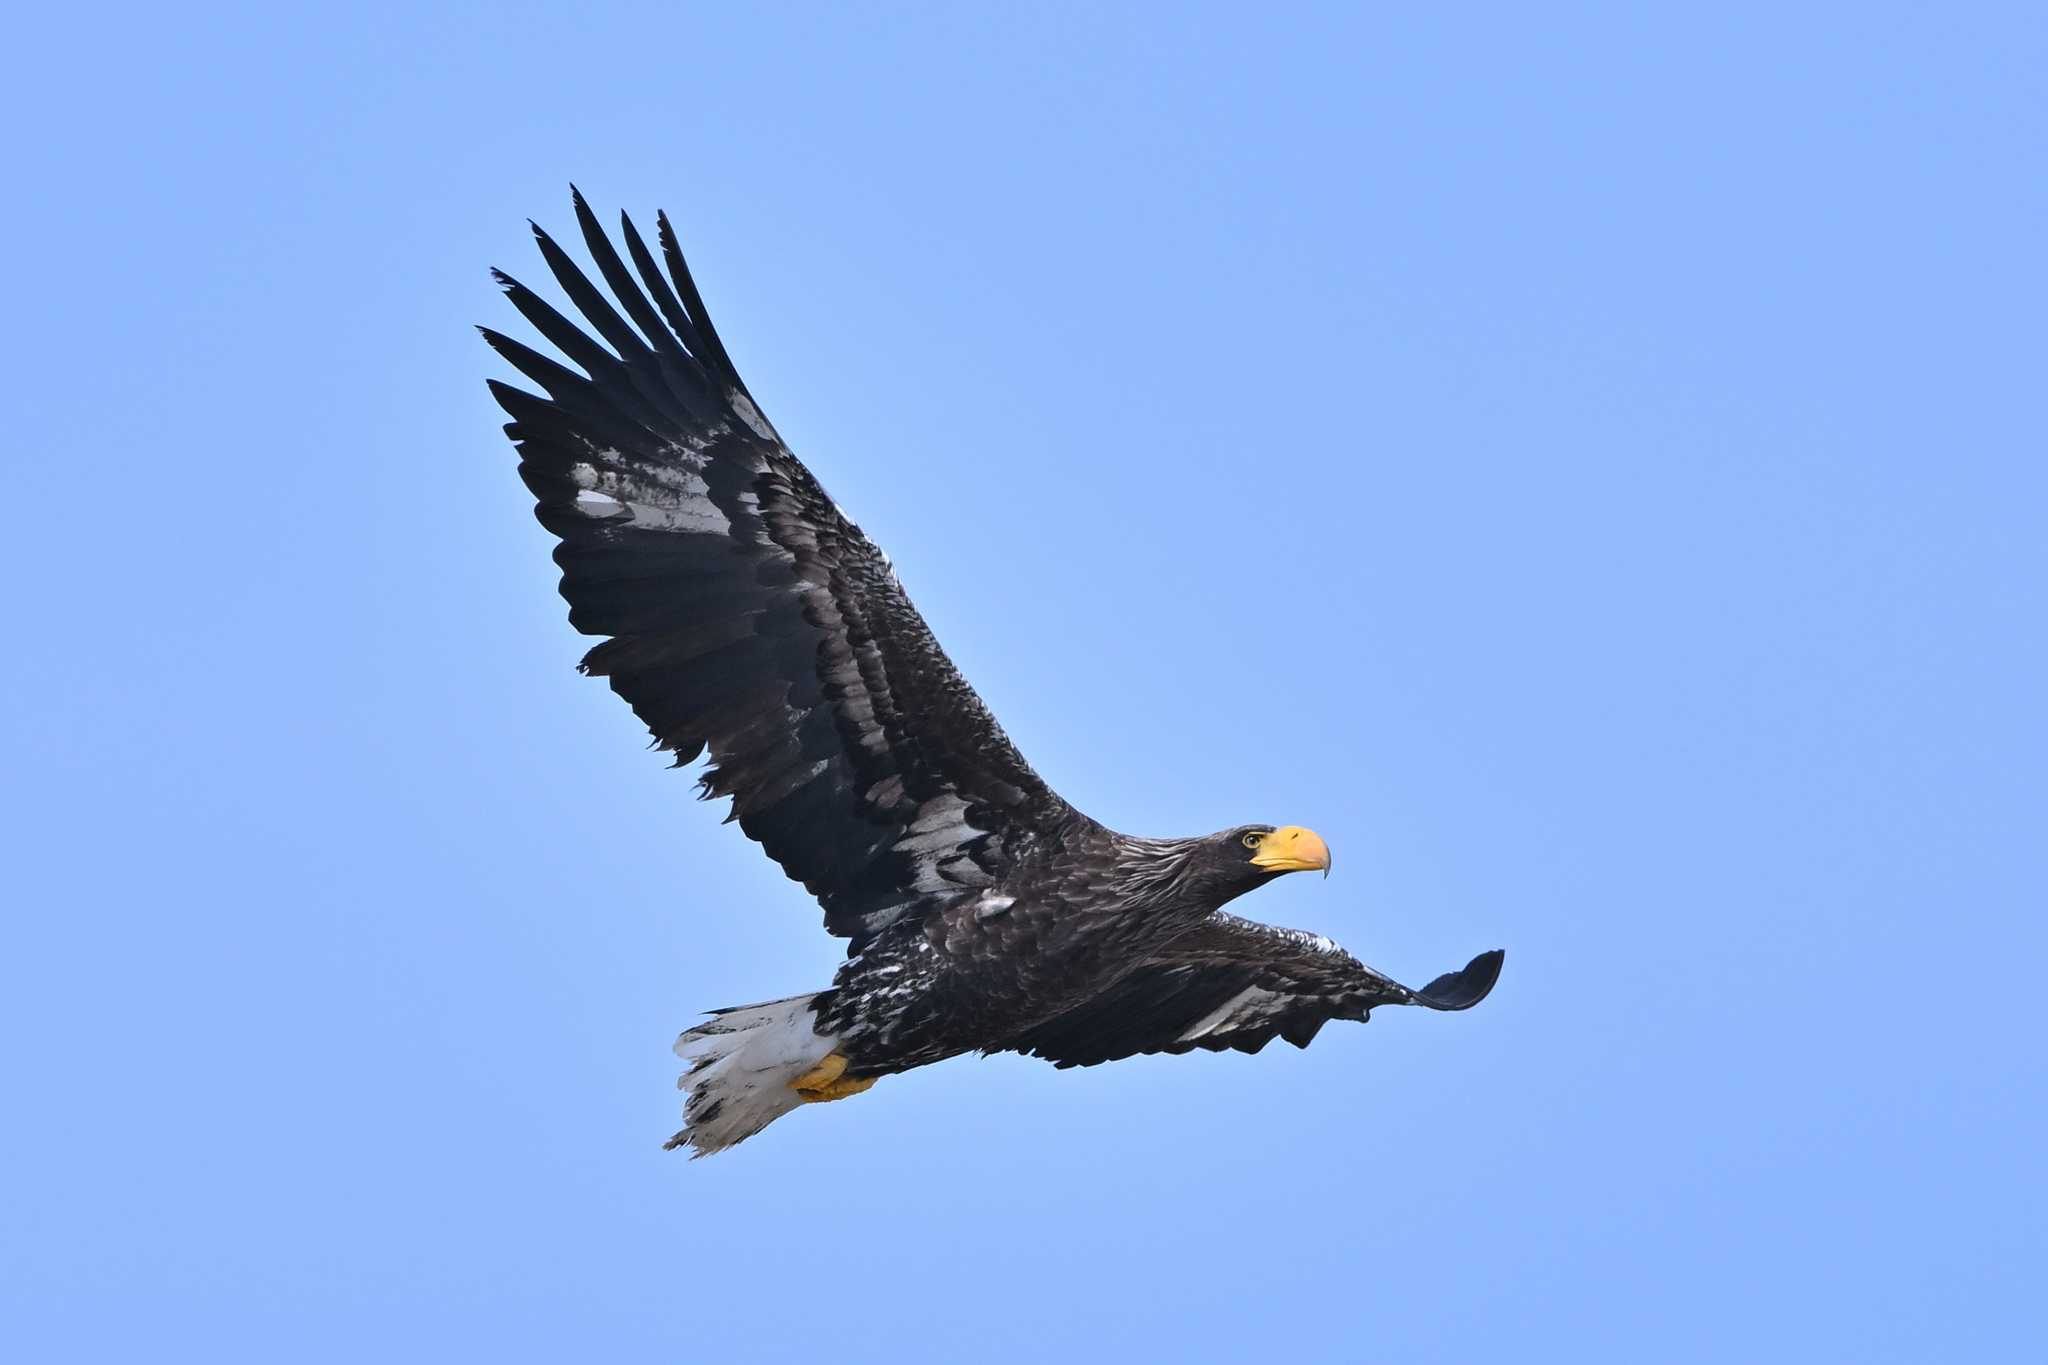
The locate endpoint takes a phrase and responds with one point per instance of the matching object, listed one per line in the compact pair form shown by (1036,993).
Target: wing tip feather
(1466,987)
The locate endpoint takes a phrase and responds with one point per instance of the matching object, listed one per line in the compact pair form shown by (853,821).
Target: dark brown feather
(746,615)
(1232,983)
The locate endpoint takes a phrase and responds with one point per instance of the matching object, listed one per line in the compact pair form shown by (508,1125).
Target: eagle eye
(1252,840)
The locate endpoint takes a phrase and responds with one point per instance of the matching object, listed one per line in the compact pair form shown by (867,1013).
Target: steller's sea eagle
(748,617)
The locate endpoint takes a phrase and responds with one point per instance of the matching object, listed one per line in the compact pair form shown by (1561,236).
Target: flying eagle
(749,618)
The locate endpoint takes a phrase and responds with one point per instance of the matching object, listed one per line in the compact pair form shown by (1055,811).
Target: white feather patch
(1238,1010)
(741,1065)
(656,500)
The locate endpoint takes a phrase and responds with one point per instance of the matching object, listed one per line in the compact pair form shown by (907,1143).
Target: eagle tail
(744,1067)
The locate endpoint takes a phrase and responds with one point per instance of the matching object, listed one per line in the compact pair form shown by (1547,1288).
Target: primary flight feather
(749,619)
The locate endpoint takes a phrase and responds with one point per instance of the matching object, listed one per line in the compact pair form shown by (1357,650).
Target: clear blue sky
(1589,467)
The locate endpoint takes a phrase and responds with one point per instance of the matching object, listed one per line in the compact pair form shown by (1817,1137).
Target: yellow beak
(1293,849)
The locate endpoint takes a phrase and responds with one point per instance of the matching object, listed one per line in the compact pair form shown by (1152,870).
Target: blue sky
(1589,467)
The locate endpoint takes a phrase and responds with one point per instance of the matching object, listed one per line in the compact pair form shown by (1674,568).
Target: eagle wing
(747,615)
(1232,983)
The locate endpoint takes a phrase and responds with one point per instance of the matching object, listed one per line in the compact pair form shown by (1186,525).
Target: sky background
(1589,467)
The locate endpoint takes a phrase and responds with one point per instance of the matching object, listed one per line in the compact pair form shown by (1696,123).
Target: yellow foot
(837,1090)
(823,1082)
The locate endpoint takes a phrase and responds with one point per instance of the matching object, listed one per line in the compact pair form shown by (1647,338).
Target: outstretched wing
(1232,983)
(747,615)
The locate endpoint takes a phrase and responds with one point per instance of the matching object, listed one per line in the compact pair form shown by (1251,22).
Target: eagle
(747,618)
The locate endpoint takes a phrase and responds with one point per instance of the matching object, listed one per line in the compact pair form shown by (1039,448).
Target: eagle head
(1228,863)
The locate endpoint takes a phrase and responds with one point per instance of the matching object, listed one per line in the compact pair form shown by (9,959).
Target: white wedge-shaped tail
(741,1068)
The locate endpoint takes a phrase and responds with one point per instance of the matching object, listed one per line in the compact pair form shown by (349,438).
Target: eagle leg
(826,1082)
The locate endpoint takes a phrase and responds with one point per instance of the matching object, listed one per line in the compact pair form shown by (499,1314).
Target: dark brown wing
(1236,984)
(747,615)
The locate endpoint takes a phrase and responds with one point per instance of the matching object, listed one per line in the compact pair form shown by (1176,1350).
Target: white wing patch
(939,825)
(1236,1012)
(935,840)
(1321,943)
(652,499)
(751,415)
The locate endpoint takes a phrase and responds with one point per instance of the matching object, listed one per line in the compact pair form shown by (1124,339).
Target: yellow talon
(821,1075)
(838,1090)
(822,1082)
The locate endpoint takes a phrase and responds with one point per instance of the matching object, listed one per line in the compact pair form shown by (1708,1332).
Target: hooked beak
(1293,849)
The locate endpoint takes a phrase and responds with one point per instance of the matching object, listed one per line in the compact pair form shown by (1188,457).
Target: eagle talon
(821,1075)
(837,1090)
(827,1081)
